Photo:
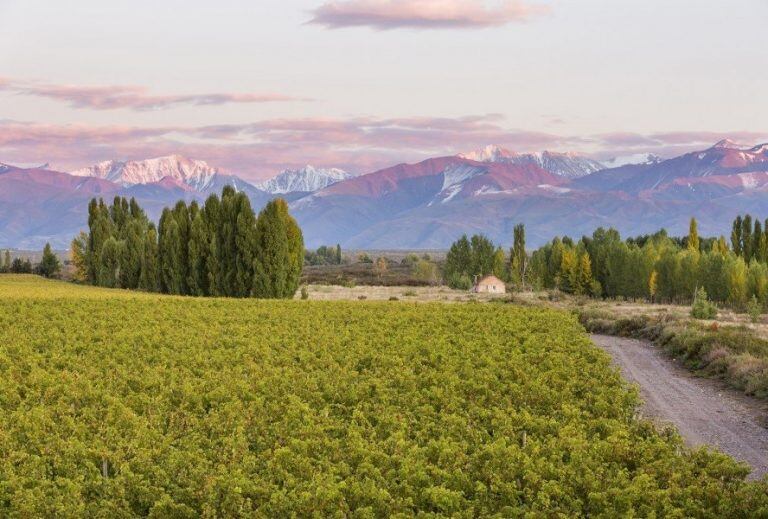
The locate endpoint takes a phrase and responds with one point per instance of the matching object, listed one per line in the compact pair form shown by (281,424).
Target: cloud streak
(131,97)
(422,14)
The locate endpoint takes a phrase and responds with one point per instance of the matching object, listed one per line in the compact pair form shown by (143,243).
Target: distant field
(117,404)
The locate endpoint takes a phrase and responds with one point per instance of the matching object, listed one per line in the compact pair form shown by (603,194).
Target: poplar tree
(149,279)
(78,250)
(518,258)
(181,260)
(176,267)
(693,235)
(199,247)
(736,236)
(746,238)
(109,263)
(211,212)
(245,246)
(132,252)
(758,239)
(279,252)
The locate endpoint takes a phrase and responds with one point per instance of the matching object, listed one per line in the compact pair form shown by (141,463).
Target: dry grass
(386,293)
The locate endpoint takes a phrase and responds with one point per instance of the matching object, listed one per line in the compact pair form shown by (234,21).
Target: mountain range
(423,205)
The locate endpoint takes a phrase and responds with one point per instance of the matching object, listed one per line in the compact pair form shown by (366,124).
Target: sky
(257,86)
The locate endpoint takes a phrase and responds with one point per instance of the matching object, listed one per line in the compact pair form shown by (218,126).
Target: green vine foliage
(125,404)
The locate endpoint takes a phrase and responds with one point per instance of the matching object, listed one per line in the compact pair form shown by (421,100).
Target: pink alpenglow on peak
(194,173)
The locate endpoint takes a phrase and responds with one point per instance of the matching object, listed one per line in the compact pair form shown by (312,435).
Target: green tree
(746,238)
(78,251)
(518,260)
(109,263)
(693,235)
(132,252)
(172,268)
(279,252)
(49,265)
(458,261)
(483,252)
(149,279)
(245,247)
(736,236)
(500,264)
(199,250)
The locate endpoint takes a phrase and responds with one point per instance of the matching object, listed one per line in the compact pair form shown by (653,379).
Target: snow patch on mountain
(454,177)
(306,179)
(636,159)
(196,174)
(567,165)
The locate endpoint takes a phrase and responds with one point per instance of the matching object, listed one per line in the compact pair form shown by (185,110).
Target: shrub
(304,292)
(754,310)
(702,307)
(460,282)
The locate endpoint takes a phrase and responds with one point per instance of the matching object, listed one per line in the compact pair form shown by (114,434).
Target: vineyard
(123,404)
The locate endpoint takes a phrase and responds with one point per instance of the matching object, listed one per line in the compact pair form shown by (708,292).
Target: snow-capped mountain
(567,165)
(196,174)
(632,160)
(306,179)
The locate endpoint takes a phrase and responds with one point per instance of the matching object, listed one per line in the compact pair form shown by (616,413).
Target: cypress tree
(338,254)
(7,261)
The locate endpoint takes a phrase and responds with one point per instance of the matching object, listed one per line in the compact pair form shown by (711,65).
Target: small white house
(490,285)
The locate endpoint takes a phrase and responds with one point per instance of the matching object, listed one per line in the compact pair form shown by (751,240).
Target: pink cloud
(131,97)
(422,14)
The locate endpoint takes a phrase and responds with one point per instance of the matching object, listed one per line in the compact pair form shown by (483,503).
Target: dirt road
(704,411)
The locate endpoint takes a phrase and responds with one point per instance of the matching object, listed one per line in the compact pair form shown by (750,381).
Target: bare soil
(704,411)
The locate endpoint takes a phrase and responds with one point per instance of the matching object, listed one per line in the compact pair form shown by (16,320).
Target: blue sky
(254,86)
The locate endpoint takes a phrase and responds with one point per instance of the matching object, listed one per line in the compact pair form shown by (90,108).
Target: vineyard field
(125,404)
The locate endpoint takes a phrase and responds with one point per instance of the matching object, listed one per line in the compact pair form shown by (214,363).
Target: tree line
(654,267)
(469,259)
(658,267)
(49,265)
(220,248)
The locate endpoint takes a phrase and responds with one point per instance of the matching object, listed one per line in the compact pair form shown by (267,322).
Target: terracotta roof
(490,280)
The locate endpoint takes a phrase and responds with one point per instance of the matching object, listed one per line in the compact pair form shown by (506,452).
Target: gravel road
(704,411)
